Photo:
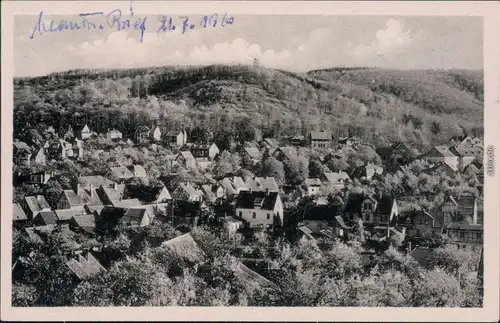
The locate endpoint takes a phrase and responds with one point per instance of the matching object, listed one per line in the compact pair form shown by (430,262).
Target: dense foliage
(379,106)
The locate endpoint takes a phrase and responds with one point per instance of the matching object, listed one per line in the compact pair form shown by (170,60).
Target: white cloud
(389,40)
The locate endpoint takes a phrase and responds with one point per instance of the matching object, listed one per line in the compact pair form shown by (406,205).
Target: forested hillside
(379,106)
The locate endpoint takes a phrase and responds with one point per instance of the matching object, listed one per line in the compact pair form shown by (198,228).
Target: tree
(436,288)
(296,169)
(223,165)
(271,167)
(315,168)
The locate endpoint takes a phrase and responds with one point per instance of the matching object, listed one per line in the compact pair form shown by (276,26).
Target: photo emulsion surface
(247,160)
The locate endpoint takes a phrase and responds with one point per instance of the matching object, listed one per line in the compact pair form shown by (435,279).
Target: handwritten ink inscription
(115,20)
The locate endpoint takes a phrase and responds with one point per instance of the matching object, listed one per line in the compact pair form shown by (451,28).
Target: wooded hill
(423,107)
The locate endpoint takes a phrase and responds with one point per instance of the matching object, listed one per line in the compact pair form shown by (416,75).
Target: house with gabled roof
(138,171)
(83,132)
(418,223)
(440,168)
(39,156)
(374,210)
(349,141)
(459,209)
(320,139)
(297,140)
(336,180)
(88,182)
(186,160)
(463,139)
(155,133)
(120,174)
(318,217)
(466,154)
(21,153)
(205,151)
(186,192)
(285,153)
(83,223)
(260,184)
(19,218)
(466,234)
(136,217)
(312,186)
(270,144)
(85,266)
(253,153)
(367,172)
(175,138)
(260,209)
(114,135)
(35,204)
(142,134)
(44,218)
(441,154)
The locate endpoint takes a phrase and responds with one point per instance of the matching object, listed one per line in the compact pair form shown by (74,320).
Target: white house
(260,209)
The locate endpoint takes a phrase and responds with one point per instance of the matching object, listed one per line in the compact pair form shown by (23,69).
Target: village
(231,200)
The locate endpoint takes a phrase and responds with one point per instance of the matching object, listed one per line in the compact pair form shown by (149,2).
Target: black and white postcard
(253,160)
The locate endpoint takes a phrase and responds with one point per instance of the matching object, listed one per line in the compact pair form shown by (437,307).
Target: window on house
(268,216)
(254,215)
(240,214)
(426,222)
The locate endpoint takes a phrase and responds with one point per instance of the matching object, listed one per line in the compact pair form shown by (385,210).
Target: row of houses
(458,217)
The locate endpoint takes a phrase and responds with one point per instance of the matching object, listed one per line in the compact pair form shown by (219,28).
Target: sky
(295,43)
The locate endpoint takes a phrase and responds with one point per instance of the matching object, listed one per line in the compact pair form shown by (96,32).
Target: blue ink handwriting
(116,20)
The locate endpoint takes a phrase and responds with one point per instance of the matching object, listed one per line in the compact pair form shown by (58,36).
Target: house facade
(320,139)
(259,209)
(442,154)
(142,134)
(84,132)
(155,133)
(459,209)
(176,138)
(186,160)
(205,151)
(114,135)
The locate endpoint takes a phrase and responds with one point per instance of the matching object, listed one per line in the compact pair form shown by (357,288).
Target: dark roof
(354,201)
(464,226)
(18,213)
(134,216)
(144,193)
(48,217)
(321,212)
(249,200)
(321,135)
(384,205)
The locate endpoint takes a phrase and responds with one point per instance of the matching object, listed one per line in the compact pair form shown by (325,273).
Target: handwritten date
(115,20)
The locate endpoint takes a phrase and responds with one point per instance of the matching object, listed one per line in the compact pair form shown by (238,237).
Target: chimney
(115,185)
(267,191)
(408,249)
(92,190)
